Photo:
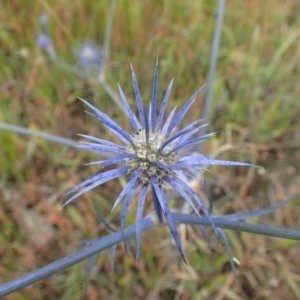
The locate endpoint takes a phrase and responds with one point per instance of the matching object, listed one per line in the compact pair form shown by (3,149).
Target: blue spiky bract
(154,156)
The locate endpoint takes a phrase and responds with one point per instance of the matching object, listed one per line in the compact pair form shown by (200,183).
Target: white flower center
(88,53)
(152,160)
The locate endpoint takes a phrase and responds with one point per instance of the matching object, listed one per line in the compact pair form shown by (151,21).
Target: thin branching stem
(96,246)
(107,37)
(39,134)
(45,136)
(213,59)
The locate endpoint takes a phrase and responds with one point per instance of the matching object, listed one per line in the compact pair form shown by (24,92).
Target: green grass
(255,112)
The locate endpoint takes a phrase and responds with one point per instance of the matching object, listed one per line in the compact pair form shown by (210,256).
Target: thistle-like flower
(44,40)
(156,155)
(45,43)
(90,58)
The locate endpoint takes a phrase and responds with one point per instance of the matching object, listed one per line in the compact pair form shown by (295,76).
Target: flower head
(90,58)
(44,19)
(45,43)
(156,154)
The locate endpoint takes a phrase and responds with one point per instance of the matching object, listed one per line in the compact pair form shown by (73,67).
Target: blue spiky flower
(45,43)
(90,58)
(154,156)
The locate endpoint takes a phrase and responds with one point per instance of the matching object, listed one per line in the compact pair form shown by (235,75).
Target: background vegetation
(255,112)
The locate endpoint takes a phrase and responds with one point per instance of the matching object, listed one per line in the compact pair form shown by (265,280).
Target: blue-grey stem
(108,89)
(105,242)
(213,60)
(8,85)
(39,134)
(45,136)
(107,37)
